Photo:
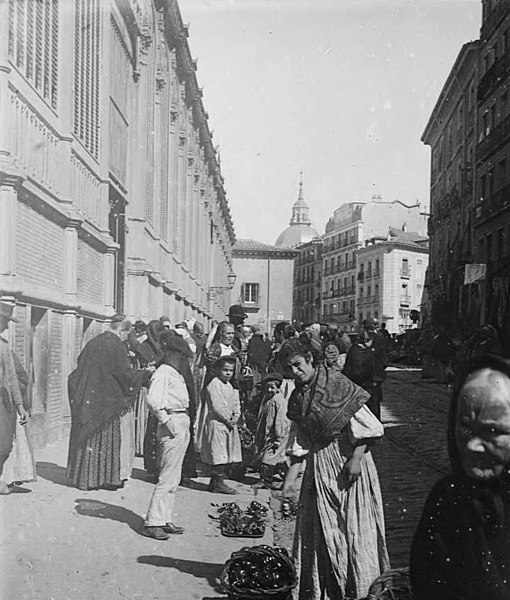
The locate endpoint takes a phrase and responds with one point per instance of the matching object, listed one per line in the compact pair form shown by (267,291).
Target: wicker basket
(391,585)
(259,552)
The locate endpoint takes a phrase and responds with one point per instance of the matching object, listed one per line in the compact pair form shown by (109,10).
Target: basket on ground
(259,572)
(391,585)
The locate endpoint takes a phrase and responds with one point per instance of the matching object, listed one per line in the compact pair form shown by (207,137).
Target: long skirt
(339,546)
(20,466)
(95,463)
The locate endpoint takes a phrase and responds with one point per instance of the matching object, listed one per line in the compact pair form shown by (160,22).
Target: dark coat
(102,386)
(461,548)
(259,351)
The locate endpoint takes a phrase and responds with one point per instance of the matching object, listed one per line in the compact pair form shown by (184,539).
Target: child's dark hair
(224,360)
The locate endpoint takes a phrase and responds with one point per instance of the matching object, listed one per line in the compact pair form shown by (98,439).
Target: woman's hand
(23,415)
(352,470)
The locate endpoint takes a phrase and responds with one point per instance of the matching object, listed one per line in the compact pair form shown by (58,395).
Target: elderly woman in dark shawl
(461,549)
(339,545)
(102,389)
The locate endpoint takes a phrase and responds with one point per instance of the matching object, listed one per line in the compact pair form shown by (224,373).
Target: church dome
(300,229)
(295,235)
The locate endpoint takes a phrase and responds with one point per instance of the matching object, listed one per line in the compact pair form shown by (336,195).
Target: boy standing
(273,428)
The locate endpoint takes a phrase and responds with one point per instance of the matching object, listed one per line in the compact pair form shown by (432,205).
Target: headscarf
(154,328)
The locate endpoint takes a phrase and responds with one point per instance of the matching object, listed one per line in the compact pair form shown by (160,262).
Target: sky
(339,89)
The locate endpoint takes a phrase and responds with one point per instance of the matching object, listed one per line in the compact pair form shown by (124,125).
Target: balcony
(498,136)
(405,300)
(493,19)
(492,205)
(405,273)
(494,76)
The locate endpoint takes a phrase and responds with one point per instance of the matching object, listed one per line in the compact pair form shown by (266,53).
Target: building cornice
(264,254)
(177,36)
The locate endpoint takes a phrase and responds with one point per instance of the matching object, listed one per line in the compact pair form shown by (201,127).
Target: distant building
(347,230)
(391,275)
(451,135)
(264,282)
(300,229)
(112,197)
(308,282)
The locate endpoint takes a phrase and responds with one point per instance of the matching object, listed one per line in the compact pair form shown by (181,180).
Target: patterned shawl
(325,406)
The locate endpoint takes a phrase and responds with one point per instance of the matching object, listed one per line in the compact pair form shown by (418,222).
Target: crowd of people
(304,405)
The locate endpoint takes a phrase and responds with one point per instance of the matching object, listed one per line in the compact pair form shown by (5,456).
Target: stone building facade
(492,203)
(111,194)
(347,230)
(469,133)
(451,135)
(264,282)
(390,280)
(307,283)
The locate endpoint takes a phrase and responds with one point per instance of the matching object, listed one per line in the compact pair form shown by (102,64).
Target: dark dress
(365,365)
(461,548)
(101,389)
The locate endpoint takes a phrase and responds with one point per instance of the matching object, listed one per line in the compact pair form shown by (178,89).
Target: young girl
(220,442)
(272,430)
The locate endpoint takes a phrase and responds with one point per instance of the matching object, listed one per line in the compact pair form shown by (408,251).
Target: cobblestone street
(412,456)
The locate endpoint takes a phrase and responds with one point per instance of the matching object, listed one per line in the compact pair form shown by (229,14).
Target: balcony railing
(496,137)
(493,204)
(494,18)
(493,77)
(405,299)
(405,272)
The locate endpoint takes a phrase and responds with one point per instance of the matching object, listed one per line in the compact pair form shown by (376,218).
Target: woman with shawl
(339,544)
(461,549)
(102,390)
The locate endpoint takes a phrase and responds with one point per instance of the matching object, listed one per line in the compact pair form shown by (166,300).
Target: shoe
(220,487)
(156,533)
(171,528)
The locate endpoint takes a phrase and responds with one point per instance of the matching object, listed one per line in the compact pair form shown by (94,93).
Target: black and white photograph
(254,300)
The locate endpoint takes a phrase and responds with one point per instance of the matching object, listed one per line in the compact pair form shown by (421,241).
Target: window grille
(33,44)
(87,54)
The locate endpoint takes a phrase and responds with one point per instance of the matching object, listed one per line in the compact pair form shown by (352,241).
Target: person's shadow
(103,510)
(52,472)
(204,570)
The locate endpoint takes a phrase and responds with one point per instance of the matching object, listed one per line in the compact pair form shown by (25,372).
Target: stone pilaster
(109,278)
(9,188)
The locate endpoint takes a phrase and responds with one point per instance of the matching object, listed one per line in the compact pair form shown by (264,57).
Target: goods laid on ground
(289,508)
(235,522)
(259,572)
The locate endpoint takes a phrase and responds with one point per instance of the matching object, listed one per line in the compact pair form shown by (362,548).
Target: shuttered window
(87,55)
(33,43)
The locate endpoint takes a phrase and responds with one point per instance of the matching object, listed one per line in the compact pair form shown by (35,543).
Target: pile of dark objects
(235,522)
(259,572)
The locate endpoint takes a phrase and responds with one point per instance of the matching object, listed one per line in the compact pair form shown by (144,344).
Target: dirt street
(60,543)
